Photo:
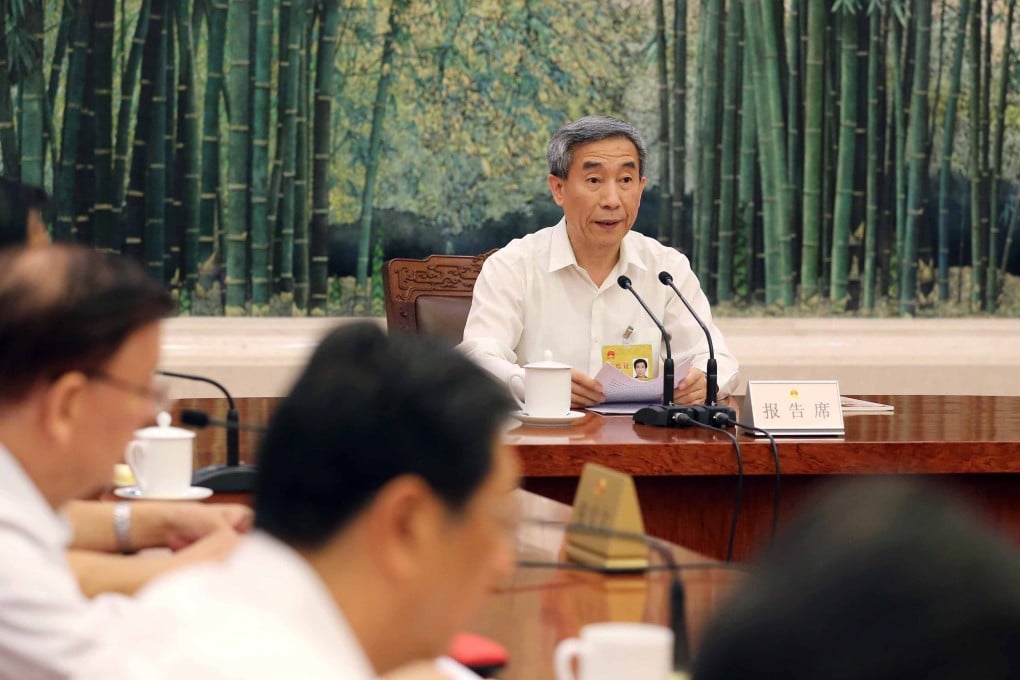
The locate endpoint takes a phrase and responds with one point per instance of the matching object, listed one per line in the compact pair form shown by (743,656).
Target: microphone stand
(709,413)
(232,477)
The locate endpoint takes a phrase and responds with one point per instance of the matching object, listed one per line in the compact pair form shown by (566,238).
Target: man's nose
(610,195)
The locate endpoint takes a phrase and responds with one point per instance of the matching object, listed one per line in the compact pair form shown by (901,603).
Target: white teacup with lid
(609,651)
(161,459)
(546,388)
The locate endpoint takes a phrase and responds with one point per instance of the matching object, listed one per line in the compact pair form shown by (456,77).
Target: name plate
(606,528)
(809,408)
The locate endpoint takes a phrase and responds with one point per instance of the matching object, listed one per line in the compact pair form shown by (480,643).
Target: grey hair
(590,129)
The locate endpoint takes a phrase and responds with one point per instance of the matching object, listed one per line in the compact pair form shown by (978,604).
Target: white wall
(260,357)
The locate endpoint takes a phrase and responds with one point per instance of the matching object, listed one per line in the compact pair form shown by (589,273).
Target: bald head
(68,308)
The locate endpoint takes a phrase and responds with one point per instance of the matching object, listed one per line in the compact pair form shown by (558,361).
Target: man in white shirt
(557,289)
(79,340)
(383,516)
(94,545)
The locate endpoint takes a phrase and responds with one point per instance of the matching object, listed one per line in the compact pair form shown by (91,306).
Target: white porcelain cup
(546,388)
(161,458)
(610,651)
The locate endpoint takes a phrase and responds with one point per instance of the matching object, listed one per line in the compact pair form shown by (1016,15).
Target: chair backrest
(431,296)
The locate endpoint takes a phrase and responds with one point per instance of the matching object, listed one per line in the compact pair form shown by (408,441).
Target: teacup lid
(547,362)
(163,430)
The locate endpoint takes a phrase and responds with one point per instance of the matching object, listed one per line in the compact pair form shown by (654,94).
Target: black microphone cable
(233,442)
(683,418)
(775,457)
(232,477)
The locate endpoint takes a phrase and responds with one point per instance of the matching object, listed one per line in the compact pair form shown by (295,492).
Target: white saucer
(570,417)
(195,493)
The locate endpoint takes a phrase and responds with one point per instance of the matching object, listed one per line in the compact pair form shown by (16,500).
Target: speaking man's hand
(584,391)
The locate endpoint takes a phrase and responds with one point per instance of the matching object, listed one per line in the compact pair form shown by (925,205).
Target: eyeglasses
(158,392)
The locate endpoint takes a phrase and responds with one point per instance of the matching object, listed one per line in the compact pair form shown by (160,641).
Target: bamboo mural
(31,93)
(239,151)
(329,22)
(678,138)
(809,156)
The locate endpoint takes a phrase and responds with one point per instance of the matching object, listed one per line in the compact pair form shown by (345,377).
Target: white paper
(618,386)
(851,405)
(620,408)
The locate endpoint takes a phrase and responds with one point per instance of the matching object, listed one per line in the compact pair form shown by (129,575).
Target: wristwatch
(122,526)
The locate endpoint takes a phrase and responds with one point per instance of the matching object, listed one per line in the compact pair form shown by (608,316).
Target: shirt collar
(21,502)
(629,257)
(561,253)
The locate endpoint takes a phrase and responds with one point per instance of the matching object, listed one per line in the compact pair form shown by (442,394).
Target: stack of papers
(625,394)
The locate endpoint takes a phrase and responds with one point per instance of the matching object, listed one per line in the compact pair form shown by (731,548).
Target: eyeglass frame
(159,395)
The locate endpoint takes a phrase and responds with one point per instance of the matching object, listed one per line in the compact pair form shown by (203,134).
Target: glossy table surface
(925,433)
(686,477)
(542,605)
(929,434)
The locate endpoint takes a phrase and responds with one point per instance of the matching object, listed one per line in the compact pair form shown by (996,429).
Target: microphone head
(665,278)
(194,418)
(624,282)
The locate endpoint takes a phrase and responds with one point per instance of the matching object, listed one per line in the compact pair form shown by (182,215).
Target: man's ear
(63,405)
(404,522)
(556,187)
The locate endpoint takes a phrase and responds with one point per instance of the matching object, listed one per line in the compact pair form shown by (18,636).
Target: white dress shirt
(263,613)
(532,296)
(48,628)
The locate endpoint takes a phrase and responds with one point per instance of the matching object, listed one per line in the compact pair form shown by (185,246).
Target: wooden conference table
(686,478)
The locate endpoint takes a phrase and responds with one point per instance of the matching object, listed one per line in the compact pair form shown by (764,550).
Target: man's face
(601,195)
(640,370)
(110,411)
(477,553)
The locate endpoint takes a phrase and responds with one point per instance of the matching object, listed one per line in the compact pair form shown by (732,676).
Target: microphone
(232,477)
(667,413)
(667,366)
(710,413)
(201,419)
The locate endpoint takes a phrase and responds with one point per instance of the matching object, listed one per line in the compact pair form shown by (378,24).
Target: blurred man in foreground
(881,580)
(79,340)
(384,514)
(100,530)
